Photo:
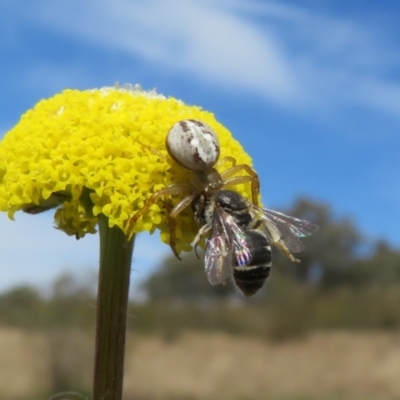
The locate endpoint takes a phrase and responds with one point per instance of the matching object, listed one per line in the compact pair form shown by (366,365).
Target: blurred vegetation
(343,282)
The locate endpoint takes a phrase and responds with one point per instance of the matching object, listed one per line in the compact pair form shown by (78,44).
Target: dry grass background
(335,365)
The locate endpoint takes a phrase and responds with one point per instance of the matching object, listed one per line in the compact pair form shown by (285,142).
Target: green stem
(112,302)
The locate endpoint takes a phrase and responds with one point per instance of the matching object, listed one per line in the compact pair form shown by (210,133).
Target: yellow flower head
(83,151)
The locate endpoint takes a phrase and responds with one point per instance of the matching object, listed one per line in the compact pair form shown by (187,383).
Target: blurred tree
(72,303)
(184,280)
(330,254)
(382,267)
(21,307)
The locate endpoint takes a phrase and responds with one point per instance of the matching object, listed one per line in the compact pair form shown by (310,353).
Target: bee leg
(204,229)
(172,236)
(282,247)
(196,244)
(195,250)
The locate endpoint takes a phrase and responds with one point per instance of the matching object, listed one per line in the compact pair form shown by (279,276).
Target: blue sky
(310,88)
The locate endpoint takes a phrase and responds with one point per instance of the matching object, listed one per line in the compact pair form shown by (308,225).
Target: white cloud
(185,35)
(315,63)
(338,61)
(380,95)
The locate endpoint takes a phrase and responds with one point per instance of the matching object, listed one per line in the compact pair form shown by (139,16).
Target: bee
(240,238)
(194,146)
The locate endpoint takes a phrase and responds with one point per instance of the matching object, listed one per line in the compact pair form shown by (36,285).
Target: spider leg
(172,190)
(157,153)
(224,160)
(185,202)
(252,177)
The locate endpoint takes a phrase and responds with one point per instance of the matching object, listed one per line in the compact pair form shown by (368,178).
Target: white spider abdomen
(193,144)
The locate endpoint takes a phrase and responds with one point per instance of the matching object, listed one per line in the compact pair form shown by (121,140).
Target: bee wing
(288,229)
(226,248)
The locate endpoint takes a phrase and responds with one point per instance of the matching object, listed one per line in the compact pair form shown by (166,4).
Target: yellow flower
(80,150)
